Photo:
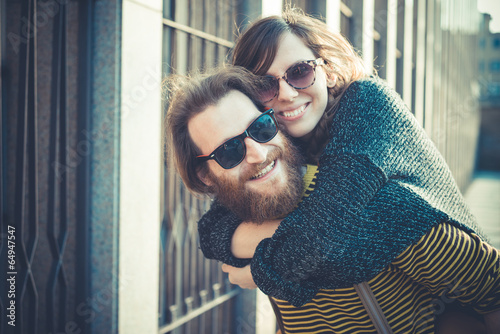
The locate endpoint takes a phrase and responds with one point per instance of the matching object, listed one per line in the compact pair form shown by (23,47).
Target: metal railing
(195,296)
(43,166)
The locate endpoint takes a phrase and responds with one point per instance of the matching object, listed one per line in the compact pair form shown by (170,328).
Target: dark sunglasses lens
(268,88)
(231,153)
(300,75)
(263,129)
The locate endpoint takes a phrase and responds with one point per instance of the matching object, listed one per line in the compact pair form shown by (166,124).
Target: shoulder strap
(372,308)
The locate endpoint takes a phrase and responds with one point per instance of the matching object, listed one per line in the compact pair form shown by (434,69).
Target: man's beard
(255,206)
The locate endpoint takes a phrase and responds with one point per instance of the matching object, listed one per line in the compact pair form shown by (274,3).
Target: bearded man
(223,145)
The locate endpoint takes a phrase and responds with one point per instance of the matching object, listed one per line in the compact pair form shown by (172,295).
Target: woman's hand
(248,235)
(240,276)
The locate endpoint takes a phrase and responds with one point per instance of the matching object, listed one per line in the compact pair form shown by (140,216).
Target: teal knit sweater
(381,186)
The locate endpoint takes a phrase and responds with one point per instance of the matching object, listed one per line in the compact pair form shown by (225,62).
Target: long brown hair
(256,48)
(190,95)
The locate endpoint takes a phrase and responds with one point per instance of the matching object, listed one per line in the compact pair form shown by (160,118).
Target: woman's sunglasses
(233,151)
(299,76)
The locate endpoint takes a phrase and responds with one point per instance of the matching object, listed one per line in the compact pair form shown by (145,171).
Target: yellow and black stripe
(309,180)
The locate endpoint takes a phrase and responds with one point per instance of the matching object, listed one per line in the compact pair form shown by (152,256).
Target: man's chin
(272,196)
(261,207)
(260,203)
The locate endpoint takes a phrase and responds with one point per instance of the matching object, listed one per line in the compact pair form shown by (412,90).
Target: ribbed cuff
(216,229)
(270,283)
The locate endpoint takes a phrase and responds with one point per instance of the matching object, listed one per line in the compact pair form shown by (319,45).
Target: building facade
(489,64)
(489,79)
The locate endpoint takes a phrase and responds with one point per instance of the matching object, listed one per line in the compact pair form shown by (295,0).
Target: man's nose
(286,92)
(256,152)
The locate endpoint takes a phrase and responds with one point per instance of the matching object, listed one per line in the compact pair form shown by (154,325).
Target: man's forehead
(218,123)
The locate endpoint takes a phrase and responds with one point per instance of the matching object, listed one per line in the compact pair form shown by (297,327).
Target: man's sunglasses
(300,76)
(233,151)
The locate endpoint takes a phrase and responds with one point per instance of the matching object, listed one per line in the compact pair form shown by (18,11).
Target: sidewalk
(483,197)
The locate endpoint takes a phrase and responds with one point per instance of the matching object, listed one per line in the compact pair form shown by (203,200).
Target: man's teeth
(294,112)
(264,171)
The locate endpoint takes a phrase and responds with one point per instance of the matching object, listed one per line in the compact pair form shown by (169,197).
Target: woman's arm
(215,229)
(312,247)
(224,237)
(240,276)
(370,203)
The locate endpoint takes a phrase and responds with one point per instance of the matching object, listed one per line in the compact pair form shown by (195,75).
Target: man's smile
(263,172)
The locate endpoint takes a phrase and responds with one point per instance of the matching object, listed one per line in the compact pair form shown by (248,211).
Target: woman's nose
(286,92)
(256,152)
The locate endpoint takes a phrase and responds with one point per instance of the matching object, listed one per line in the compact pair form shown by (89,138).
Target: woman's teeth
(263,171)
(294,112)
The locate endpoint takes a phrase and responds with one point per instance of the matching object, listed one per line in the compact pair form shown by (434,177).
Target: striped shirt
(444,266)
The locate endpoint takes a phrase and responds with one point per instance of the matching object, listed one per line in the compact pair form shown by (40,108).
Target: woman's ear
(331,80)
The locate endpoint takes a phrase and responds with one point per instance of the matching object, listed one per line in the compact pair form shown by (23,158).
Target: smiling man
(231,149)
(266,182)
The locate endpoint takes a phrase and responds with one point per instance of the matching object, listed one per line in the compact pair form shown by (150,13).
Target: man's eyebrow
(246,127)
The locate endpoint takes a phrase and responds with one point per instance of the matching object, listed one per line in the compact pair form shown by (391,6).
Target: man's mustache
(252,170)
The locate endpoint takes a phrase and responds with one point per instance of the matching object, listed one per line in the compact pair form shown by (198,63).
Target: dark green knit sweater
(382,185)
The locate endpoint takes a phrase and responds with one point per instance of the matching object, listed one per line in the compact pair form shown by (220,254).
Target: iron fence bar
(391,31)
(344,9)
(369,35)
(429,68)
(420,62)
(198,33)
(199,311)
(85,20)
(26,210)
(408,53)
(58,132)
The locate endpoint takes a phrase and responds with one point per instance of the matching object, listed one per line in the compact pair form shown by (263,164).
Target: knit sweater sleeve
(366,208)
(216,228)
(296,262)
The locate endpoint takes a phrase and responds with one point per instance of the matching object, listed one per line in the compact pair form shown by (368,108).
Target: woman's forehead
(291,49)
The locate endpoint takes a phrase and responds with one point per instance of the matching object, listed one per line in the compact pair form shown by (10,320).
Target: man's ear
(202,175)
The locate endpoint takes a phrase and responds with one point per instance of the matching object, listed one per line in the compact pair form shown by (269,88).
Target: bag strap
(372,307)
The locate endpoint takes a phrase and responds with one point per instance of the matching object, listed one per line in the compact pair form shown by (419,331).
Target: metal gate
(43,166)
(195,295)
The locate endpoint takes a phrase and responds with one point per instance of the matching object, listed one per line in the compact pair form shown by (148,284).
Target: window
(495,66)
(494,89)
(496,43)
